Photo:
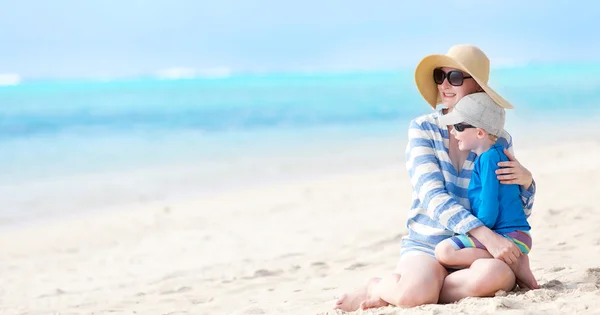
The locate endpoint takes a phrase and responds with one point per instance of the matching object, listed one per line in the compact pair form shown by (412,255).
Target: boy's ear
(481,133)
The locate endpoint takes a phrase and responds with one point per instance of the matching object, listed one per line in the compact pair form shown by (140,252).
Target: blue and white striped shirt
(440,206)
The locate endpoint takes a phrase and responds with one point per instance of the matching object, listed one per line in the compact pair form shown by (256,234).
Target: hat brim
(429,90)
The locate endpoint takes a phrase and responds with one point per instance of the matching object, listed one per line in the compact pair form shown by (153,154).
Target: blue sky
(111,38)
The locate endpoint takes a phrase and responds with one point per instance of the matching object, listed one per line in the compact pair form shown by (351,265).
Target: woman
(440,174)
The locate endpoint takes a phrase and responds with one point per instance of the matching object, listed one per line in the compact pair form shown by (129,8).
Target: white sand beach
(291,247)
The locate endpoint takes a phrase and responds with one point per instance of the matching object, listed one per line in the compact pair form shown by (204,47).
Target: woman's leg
(420,283)
(484,278)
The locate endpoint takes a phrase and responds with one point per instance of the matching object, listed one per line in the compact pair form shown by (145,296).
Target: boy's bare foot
(525,278)
(373,303)
(352,301)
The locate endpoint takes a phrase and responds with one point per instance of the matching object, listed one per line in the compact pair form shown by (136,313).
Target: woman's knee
(371,284)
(418,293)
(490,276)
(420,283)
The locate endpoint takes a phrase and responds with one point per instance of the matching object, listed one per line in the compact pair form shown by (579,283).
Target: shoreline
(74,195)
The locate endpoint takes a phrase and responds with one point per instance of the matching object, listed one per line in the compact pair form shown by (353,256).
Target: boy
(478,122)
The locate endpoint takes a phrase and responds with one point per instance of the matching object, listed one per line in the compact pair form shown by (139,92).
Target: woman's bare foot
(373,303)
(525,278)
(352,301)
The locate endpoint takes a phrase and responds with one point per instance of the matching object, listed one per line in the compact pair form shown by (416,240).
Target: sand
(291,247)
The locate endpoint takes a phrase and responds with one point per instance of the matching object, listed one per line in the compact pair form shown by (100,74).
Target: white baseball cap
(479,110)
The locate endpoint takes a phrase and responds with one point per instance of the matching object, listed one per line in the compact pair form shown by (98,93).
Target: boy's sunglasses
(455,77)
(461,127)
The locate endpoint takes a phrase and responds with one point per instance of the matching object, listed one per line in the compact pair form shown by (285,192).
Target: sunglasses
(455,77)
(461,127)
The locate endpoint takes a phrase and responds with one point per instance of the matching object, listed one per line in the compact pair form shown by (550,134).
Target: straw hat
(467,58)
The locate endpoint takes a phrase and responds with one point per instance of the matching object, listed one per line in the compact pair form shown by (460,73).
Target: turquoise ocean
(67,146)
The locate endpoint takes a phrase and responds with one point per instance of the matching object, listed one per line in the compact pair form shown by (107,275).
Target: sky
(116,38)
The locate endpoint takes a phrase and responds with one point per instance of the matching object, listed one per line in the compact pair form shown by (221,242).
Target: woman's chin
(448,102)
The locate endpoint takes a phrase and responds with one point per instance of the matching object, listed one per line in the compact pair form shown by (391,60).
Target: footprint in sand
(506,303)
(562,246)
(197,301)
(355,266)
(594,275)
(553,285)
(319,264)
(554,211)
(288,255)
(56,292)
(260,273)
(253,311)
(178,290)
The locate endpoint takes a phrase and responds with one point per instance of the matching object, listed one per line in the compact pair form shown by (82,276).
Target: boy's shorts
(520,238)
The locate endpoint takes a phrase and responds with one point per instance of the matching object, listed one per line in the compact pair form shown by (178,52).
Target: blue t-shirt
(498,206)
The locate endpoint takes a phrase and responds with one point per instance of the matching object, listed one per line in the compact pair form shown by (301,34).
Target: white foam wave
(7,79)
(177,73)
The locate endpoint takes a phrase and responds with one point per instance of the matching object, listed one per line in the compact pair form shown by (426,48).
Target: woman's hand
(512,172)
(498,246)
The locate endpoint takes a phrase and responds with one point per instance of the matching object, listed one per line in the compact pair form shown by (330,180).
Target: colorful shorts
(520,238)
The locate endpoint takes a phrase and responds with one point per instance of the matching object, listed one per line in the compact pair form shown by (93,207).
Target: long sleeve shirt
(496,205)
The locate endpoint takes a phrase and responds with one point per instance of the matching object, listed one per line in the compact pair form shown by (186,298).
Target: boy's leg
(522,270)
(460,251)
(525,278)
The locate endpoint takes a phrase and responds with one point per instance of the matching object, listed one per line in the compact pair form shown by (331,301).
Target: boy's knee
(444,251)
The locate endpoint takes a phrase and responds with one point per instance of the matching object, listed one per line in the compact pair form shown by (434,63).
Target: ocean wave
(178,73)
(8,79)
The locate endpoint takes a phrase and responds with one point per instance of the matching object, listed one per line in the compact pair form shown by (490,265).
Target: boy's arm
(489,208)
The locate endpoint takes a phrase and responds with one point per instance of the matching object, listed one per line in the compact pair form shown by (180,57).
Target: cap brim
(429,90)
(451,118)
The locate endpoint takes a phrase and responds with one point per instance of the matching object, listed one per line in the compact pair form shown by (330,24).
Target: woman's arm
(498,246)
(428,181)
